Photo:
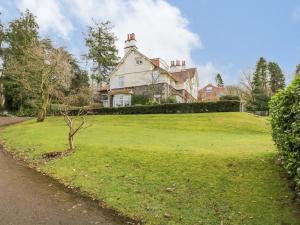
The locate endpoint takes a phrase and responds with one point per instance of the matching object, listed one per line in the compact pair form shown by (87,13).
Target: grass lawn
(169,169)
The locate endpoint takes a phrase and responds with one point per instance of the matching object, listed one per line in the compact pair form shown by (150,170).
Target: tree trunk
(45,101)
(71,143)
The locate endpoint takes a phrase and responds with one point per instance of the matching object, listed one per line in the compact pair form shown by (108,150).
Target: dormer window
(139,61)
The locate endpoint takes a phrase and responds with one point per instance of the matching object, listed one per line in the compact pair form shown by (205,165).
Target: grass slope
(218,166)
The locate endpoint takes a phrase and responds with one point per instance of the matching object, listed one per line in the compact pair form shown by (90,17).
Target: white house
(136,74)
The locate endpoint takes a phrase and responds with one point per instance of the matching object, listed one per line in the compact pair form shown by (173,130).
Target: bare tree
(247,84)
(70,121)
(74,122)
(155,88)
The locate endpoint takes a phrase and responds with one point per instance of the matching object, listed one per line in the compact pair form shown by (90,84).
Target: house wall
(133,74)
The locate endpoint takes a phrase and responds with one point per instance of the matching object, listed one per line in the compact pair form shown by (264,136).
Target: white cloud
(207,73)
(296,14)
(160,28)
(49,16)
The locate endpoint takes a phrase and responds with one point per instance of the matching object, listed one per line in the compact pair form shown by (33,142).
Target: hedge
(285,121)
(200,107)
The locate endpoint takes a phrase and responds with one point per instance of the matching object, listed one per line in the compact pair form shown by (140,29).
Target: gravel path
(29,198)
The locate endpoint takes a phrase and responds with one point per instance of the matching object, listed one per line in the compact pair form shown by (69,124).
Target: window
(139,61)
(209,89)
(121,81)
(155,76)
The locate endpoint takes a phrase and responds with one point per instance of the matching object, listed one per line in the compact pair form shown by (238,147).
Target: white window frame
(139,61)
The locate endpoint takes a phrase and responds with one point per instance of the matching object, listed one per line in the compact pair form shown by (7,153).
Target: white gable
(134,70)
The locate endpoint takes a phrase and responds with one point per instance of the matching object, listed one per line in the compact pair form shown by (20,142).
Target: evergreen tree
(102,50)
(276,76)
(219,80)
(260,81)
(259,101)
(21,35)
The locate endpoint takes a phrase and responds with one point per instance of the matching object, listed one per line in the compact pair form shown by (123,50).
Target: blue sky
(215,36)
(235,33)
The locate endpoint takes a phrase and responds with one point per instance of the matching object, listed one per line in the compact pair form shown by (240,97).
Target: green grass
(221,166)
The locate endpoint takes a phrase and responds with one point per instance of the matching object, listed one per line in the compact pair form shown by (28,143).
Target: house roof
(214,88)
(184,75)
(155,62)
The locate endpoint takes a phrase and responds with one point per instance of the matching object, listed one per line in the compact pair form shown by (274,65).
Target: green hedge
(200,107)
(285,120)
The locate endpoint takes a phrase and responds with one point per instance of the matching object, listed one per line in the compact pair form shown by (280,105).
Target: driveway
(29,198)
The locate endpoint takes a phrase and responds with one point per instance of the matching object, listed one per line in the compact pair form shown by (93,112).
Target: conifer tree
(276,76)
(259,101)
(219,80)
(102,50)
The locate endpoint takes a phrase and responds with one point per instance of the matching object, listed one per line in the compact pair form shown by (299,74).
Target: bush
(200,107)
(29,108)
(139,99)
(285,120)
(260,103)
(230,97)
(169,99)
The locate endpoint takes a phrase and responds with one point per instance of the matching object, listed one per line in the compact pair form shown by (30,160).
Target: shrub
(29,108)
(200,107)
(139,99)
(285,120)
(170,99)
(230,97)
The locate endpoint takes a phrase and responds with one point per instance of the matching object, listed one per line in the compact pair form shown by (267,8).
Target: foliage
(21,34)
(260,99)
(277,80)
(200,107)
(100,41)
(230,97)
(82,97)
(298,71)
(80,77)
(37,72)
(208,168)
(139,99)
(219,80)
(170,99)
(285,113)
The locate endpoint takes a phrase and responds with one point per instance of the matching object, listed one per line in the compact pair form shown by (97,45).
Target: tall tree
(219,80)
(260,81)
(2,38)
(102,50)
(260,99)
(54,73)
(277,80)
(21,34)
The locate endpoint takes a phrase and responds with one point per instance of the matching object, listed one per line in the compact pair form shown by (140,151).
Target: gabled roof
(152,61)
(184,75)
(215,88)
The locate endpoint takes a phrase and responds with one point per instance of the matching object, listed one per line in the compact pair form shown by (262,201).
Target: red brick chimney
(130,43)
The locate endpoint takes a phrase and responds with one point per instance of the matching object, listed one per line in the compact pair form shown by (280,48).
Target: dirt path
(29,198)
